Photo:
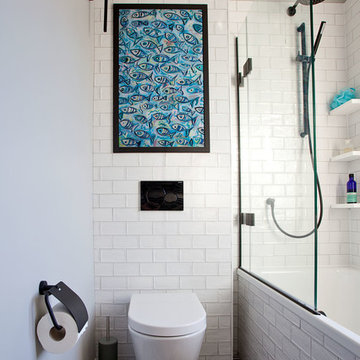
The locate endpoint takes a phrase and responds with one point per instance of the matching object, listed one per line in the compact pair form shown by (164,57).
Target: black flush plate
(162,195)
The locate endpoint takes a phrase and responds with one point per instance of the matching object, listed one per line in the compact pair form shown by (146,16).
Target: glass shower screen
(277,138)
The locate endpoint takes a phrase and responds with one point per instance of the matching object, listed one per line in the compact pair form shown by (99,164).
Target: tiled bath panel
(271,327)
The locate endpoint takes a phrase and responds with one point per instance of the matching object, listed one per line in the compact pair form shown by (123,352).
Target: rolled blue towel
(342,97)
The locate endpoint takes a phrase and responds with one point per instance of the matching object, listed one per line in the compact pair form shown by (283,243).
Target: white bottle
(348,146)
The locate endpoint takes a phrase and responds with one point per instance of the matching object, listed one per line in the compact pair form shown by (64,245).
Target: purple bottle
(351,197)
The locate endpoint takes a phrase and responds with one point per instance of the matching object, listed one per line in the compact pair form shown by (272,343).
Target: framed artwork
(161,86)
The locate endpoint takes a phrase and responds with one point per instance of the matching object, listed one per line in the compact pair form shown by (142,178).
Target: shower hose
(271,202)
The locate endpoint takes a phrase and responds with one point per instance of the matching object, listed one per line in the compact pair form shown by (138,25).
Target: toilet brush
(108,345)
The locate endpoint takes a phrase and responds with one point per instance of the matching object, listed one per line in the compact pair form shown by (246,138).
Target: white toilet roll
(58,341)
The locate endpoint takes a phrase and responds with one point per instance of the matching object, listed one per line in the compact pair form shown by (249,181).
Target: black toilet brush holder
(108,345)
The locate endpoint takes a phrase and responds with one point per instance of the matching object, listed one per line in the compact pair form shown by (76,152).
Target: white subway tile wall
(188,251)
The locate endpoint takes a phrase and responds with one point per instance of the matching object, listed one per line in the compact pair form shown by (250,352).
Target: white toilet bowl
(166,326)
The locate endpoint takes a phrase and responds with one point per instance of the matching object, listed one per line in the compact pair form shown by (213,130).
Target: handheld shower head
(291,11)
(307,2)
(270,202)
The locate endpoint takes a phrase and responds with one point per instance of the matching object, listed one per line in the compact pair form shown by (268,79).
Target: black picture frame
(195,109)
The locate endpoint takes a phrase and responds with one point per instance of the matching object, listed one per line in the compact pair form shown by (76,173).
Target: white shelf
(347,108)
(345,206)
(348,156)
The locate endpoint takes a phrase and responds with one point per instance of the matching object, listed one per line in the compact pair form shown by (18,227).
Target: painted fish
(124,12)
(185,14)
(201,130)
(127,59)
(188,81)
(128,110)
(194,90)
(174,17)
(198,140)
(197,49)
(198,28)
(126,89)
(147,88)
(129,142)
(190,39)
(161,116)
(146,66)
(141,134)
(163,131)
(154,33)
(142,14)
(189,58)
(158,24)
(184,117)
(139,76)
(178,127)
(172,69)
(138,98)
(124,21)
(174,50)
(123,100)
(164,80)
(123,79)
(171,37)
(182,142)
(146,106)
(139,53)
(163,143)
(183,99)
(126,124)
(169,106)
(150,45)
(141,118)
(198,16)
(178,27)
(161,58)
(199,109)
(158,98)
(199,67)
(138,23)
(171,90)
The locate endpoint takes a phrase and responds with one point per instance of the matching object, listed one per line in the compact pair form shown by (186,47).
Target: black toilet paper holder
(68,298)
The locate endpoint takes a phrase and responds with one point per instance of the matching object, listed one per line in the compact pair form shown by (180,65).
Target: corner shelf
(348,156)
(347,108)
(345,206)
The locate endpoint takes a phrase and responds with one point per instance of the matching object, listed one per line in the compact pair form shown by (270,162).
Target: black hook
(105,14)
(44,290)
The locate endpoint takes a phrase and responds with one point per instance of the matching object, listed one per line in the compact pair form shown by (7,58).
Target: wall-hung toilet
(166,326)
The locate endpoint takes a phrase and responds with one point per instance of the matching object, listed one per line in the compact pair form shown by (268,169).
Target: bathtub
(272,326)
(338,291)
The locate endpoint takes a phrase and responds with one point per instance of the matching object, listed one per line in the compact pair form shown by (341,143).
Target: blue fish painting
(162,78)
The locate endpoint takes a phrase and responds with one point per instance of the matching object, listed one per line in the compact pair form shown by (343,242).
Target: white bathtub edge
(330,328)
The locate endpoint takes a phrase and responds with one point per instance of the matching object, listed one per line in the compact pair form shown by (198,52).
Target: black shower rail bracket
(247,67)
